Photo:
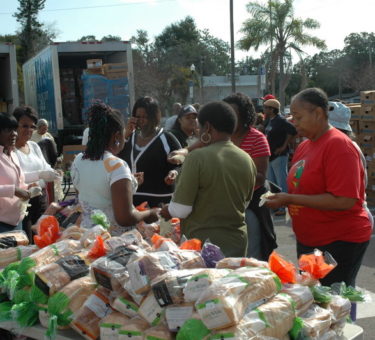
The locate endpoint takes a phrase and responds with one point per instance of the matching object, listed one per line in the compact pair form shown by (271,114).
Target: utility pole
(232,48)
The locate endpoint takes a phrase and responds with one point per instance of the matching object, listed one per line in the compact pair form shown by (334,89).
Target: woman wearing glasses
(32,161)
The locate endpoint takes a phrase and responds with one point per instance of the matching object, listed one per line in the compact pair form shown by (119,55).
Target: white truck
(54,82)
(9,97)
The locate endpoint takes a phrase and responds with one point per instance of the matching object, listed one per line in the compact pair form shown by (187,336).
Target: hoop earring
(117,143)
(205,140)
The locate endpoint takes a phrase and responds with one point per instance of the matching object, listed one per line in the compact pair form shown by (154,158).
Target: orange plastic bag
(143,206)
(317,264)
(285,270)
(48,232)
(163,243)
(98,249)
(193,244)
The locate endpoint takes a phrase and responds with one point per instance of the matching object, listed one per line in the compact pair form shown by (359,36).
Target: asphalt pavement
(365,278)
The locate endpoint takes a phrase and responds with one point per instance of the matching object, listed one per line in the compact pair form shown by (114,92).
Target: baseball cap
(186,110)
(272,103)
(268,96)
(339,116)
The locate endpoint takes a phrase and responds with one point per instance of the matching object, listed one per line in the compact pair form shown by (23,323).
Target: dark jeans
(348,256)
(5,227)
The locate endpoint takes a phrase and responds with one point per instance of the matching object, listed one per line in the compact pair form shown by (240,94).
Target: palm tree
(275,26)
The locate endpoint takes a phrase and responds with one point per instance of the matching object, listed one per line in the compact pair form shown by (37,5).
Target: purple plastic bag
(211,254)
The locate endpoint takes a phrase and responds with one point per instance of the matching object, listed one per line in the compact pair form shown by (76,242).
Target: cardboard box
(368,97)
(366,127)
(69,153)
(115,71)
(356,112)
(95,70)
(94,63)
(355,126)
(116,75)
(368,112)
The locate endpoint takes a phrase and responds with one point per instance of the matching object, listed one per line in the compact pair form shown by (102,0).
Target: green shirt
(217,181)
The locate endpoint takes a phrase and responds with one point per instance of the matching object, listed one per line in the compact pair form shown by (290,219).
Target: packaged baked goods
(177,315)
(236,262)
(87,319)
(316,321)
(55,251)
(52,277)
(89,236)
(133,329)
(339,306)
(110,271)
(193,329)
(13,254)
(168,288)
(73,232)
(160,332)
(132,237)
(111,324)
(151,311)
(125,305)
(189,259)
(13,239)
(224,303)
(201,281)
(301,295)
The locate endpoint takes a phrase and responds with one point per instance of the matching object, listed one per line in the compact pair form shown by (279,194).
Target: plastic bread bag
(321,294)
(224,303)
(301,295)
(193,329)
(125,304)
(147,230)
(160,332)
(273,319)
(138,298)
(14,238)
(264,198)
(338,327)
(132,237)
(55,251)
(317,264)
(161,243)
(349,292)
(73,232)
(98,217)
(151,311)
(89,236)
(192,244)
(201,281)
(110,271)
(133,329)
(189,259)
(211,254)
(177,315)
(284,269)
(168,288)
(143,267)
(87,319)
(340,307)
(10,255)
(52,277)
(237,262)
(62,305)
(111,324)
(48,231)
(316,321)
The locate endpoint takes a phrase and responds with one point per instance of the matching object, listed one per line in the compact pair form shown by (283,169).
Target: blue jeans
(4,227)
(253,234)
(278,172)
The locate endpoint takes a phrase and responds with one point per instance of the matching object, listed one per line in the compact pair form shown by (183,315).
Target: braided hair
(246,110)
(103,123)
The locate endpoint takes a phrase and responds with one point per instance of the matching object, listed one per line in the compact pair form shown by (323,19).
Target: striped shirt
(255,144)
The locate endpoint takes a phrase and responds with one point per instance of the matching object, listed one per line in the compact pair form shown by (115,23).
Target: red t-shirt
(330,164)
(255,144)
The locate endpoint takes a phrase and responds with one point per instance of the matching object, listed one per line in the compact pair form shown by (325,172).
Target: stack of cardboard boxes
(110,71)
(363,125)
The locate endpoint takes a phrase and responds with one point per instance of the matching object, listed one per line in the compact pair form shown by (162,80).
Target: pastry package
(89,236)
(52,277)
(55,251)
(189,259)
(224,303)
(13,239)
(87,319)
(125,305)
(111,324)
(316,321)
(73,232)
(160,332)
(143,267)
(177,315)
(13,254)
(236,262)
(272,319)
(301,295)
(133,329)
(168,288)
(339,306)
(132,237)
(151,311)
(110,271)
(201,281)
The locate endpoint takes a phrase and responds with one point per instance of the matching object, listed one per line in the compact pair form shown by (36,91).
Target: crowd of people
(208,166)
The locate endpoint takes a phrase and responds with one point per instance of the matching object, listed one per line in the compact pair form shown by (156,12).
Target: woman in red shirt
(326,190)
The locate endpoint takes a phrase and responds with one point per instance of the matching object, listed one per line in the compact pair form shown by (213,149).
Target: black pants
(348,256)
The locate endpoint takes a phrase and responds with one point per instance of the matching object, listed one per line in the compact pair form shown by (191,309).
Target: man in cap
(172,119)
(279,134)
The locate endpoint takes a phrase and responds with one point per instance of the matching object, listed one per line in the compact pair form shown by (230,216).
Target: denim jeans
(4,227)
(253,234)
(278,172)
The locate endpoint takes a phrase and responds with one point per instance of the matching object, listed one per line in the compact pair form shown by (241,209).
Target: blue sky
(338,18)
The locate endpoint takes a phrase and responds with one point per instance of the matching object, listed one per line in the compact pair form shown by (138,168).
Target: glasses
(25,126)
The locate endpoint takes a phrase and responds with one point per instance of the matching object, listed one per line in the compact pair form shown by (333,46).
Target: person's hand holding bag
(48,175)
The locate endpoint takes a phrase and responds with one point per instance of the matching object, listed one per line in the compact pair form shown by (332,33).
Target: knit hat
(339,116)
(272,103)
